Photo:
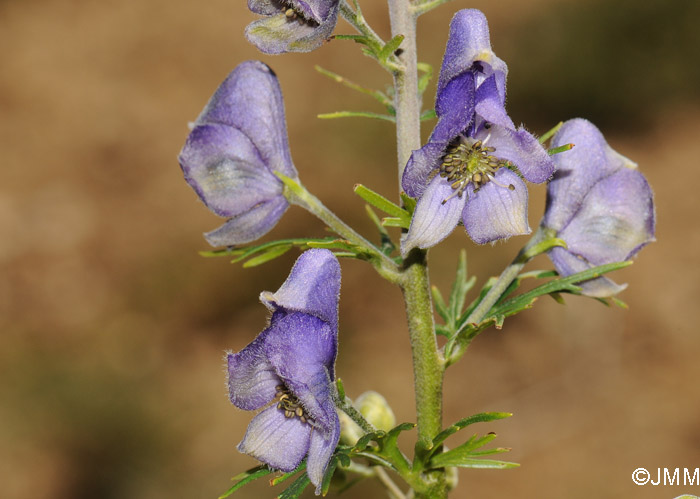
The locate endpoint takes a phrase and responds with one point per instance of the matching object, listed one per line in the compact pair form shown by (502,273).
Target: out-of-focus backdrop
(113,328)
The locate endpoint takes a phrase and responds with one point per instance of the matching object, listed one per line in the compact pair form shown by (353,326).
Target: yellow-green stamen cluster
(294,14)
(464,163)
(289,404)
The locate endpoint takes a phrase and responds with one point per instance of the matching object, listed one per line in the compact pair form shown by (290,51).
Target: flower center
(289,404)
(464,163)
(294,14)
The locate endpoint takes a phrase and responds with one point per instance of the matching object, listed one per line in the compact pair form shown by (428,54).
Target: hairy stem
(407,99)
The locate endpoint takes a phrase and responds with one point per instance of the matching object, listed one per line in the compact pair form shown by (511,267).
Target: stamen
(467,161)
(510,187)
(289,404)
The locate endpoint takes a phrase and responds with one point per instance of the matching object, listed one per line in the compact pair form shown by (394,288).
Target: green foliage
(245,478)
(399,218)
(262,253)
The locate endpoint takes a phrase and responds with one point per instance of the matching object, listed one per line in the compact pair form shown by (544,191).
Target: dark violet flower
(291,25)
(236,144)
(466,170)
(598,203)
(289,370)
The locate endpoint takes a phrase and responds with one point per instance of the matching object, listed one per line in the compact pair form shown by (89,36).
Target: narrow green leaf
(425,78)
(296,488)
(390,47)
(395,222)
(619,303)
(557,150)
(471,462)
(409,204)
(428,114)
(341,388)
(245,478)
(365,439)
(328,475)
(442,330)
(286,476)
(548,135)
(440,306)
(267,256)
(356,114)
(482,417)
(460,287)
(567,284)
(557,297)
(381,203)
(376,94)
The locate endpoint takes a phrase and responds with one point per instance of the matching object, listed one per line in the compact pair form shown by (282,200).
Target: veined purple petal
(302,349)
(433,220)
(469,43)
(522,149)
(421,163)
(567,264)
(276,440)
(250,100)
(313,287)
(454,106)
(578,170)
(491,106)
(322,446)
(250,225)
(496,212)
(252,379)
(226,171)
(276,34)
(615,219)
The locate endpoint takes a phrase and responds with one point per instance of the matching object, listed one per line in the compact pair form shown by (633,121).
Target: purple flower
(237,143)
(471,167)
(289,369)
(598,203)
(291,25)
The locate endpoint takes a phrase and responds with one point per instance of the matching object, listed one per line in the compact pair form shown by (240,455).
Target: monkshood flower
(291,25)
(598,203)
(471,167)
(236,144)
(289,370)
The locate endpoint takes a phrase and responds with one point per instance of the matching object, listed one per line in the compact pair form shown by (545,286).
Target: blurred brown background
(113,328)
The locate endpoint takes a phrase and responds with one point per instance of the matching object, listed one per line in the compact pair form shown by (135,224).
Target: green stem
(428,367)
(297,194)
(407,99)
(355,415)
(428,364)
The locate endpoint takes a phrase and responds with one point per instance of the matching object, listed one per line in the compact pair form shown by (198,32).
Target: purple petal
(491,106)
(422,162)
(250,225)
(577,170)
(277,35)
(616,219)
(226,171)
(264,7)
(469,43)
(313,287)
(495,212)
(302,348)
(433,219)
(252,380)
(454,106)
(522,149)
(277,441)
(250,100)
(568,264)
(320,451)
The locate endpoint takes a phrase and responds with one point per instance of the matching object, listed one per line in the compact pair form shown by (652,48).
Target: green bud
(376,410)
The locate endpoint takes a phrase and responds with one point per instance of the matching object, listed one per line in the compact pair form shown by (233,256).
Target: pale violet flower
(598,203)
(288,371)
(291,25)
(236,144)
(471,167)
